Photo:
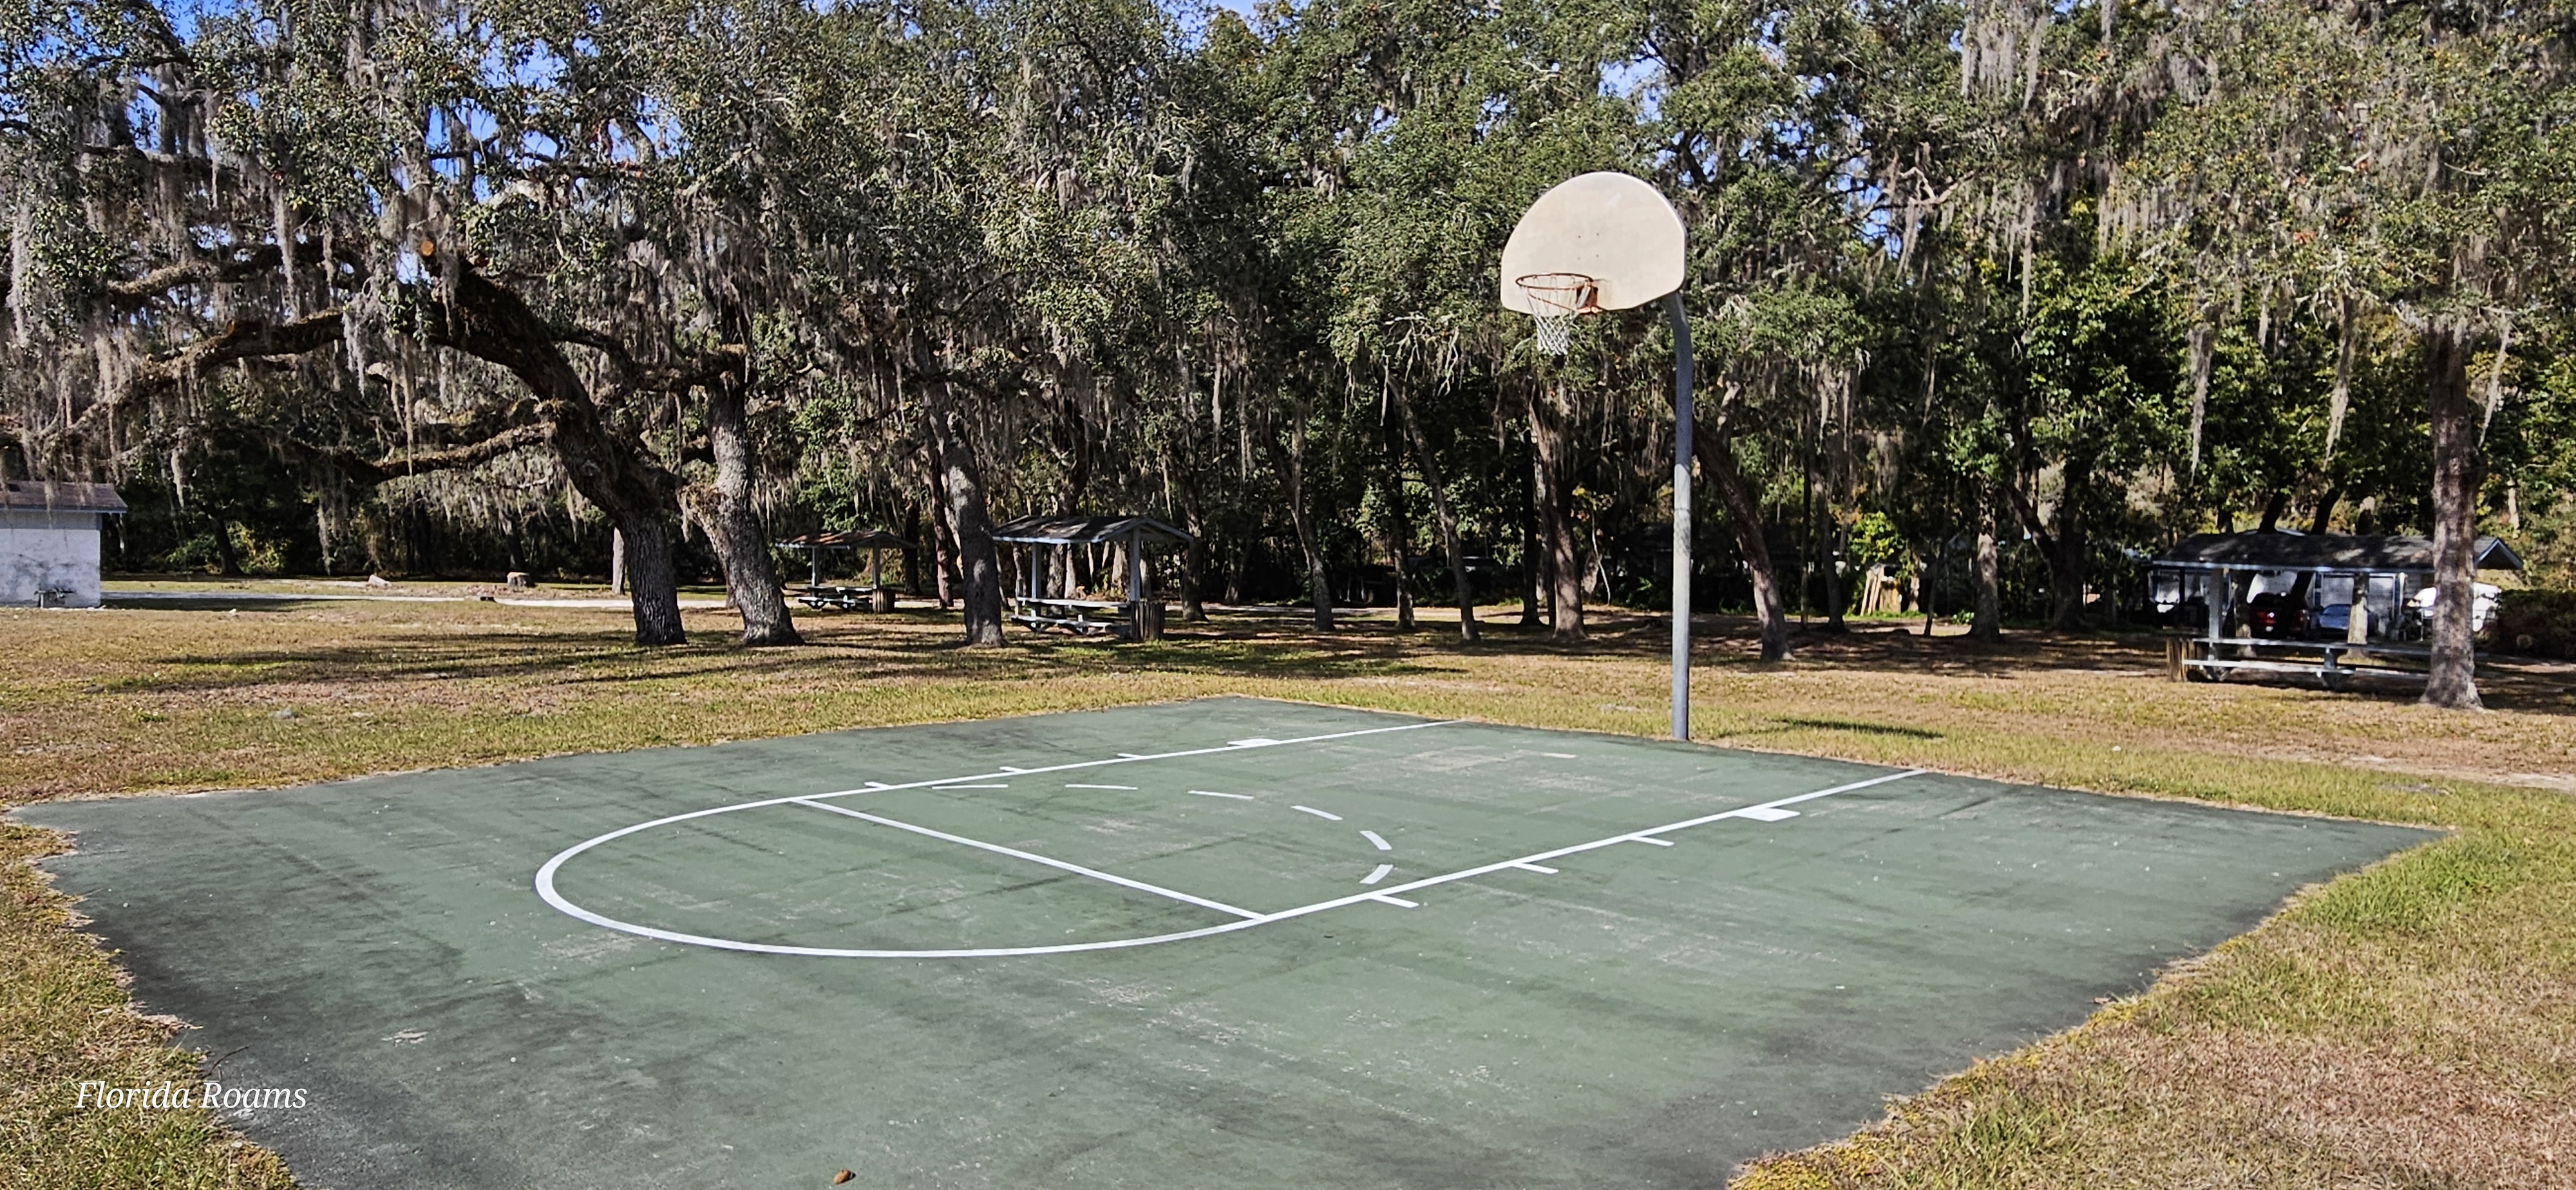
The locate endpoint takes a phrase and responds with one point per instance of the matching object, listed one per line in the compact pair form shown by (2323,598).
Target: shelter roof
(846,539)
(2323,551)
(1076,529)
(51,495)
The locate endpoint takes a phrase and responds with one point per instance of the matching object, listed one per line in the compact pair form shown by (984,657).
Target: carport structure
(2317,602)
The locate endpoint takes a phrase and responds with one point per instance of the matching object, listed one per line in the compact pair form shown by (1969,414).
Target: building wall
(42,551)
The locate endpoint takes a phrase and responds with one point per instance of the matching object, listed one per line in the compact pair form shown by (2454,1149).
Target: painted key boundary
(1771,811)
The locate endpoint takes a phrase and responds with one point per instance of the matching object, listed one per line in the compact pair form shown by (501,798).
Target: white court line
(1561,755)
(545,881)
(1035,858)
(1326,815)
(1398,902)
(1008,769)
(1770,815)
(936,788)
(1541,869)
(1648,839)
(1240,797)
(1379,874)
(1080,786)
(1537,858)
(1378,840)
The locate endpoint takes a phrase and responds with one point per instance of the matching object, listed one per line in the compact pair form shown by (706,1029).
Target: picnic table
(820,595)
(873,594)
(2331,662)
(1081,617)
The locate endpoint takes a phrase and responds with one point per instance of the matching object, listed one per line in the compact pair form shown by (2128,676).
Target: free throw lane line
(1530,863)
(1035,858)
(547,892)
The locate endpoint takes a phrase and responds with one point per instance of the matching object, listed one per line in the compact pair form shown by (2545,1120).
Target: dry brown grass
(2411,1026)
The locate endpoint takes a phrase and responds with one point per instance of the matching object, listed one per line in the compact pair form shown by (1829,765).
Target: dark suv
(2274,614)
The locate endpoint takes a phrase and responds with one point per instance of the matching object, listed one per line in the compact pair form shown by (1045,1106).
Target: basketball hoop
(1555,300)
(1610,241)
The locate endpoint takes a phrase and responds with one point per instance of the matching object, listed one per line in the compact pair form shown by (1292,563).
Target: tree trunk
(1194,557)
(1989,622)
(741,546)
(2324,517)
(1466,591)
(2273,506)
(1319,579)
(2069,574)
(652,575)
(228,559)
(912,552)
(1533,556)
(1399,528)
(1837,593)
(1548,415)
(977,565)
(943,537)
(2453,681)
(2062,548)
(608,468)
(1716,453)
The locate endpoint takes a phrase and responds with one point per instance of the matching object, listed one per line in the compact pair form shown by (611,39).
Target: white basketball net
(1555,300)
(1555,333)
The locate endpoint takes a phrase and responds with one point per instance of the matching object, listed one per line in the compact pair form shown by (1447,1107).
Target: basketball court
(1229,942)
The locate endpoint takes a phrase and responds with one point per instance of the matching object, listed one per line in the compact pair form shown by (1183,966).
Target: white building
(49,541)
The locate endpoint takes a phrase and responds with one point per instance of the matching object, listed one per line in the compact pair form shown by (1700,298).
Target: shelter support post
(2222,586)
(1680,318)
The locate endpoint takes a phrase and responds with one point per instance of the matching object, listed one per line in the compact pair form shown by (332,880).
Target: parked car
(2274,614)
(2482,604)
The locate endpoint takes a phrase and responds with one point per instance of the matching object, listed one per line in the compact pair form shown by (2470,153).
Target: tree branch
(447,459)
(242,265)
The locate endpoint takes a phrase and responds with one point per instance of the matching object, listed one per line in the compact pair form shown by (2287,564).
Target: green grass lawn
(2414,1024)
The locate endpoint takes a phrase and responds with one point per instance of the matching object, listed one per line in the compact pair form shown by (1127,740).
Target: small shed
(818,593)
(1043,604)
(49,541)
(2234,597)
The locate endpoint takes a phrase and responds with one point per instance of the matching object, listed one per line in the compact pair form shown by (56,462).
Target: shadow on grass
(1850,725)
(923,644)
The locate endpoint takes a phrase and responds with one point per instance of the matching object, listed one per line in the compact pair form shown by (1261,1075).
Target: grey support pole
(1680,319)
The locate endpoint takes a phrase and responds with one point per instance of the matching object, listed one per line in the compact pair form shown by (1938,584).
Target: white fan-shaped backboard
(1609,226)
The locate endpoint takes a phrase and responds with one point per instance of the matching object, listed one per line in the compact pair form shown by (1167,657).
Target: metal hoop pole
(1680,319)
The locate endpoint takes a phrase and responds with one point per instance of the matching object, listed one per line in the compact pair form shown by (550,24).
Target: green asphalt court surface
(1240,943)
